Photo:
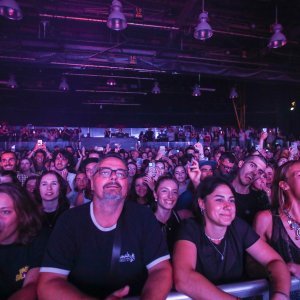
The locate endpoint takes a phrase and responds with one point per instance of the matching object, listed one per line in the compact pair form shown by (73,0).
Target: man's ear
(284,185)
(240,163)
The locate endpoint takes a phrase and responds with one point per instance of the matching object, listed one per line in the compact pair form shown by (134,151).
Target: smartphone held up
(151,169)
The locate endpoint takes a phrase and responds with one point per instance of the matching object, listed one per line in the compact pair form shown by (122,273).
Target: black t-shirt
(81,249)
(16,260)
(170,229)
(247,205)
(50,218)
(239,236)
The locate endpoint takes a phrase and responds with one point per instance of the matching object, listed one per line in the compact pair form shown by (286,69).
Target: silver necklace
(214,239)
(221,253)
(294,225)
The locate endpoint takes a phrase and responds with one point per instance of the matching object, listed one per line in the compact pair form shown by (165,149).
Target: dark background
(77,45)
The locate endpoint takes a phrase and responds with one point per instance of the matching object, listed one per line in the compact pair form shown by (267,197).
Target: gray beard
(114,197)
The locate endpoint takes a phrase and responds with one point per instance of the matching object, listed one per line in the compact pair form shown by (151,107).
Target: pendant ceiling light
(203,30)
(233,94)
(64,86)
(116,19)
(196,90)
(156,88)
(12,83)
(10,9)
(111,81)
(278,39)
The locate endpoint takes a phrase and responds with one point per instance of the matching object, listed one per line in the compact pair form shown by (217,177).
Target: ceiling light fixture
(111,82)
(196,90)
(116,19)
(156,88)
(278,39)
(11,83)
(293,105)
(64,86)
(10,9)
(233,93)
(203,30)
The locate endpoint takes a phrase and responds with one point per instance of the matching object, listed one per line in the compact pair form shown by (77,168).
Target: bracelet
(281,293)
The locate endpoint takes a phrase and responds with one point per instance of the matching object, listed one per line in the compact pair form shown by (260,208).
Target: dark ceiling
(70,39)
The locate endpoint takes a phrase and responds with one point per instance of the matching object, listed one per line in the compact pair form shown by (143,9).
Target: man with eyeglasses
(247,201)
(107,249)
(226,166)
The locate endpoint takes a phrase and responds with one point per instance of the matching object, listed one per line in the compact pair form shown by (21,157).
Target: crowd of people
(208,136)
(30,133)
(88,224)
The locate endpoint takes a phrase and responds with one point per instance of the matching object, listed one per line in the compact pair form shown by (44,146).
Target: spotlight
(293,105)
(10,9)
(116,19)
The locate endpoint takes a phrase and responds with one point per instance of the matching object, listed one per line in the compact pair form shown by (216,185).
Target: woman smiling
(211,249)
(51,193)
(166,195)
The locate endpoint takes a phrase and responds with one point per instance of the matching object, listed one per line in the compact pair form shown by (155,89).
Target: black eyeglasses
(107,172)
(228,168)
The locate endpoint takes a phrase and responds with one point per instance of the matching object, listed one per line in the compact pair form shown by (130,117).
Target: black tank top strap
(281,241)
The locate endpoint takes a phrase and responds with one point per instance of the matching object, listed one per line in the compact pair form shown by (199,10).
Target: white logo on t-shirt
(127,257)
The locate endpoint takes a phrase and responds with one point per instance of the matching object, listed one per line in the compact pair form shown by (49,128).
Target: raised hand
(149,181)
(194,172)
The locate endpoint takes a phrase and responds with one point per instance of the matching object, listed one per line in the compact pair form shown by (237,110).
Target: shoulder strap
(117,244)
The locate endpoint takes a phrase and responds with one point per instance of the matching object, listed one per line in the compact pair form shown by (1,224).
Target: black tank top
(281,241)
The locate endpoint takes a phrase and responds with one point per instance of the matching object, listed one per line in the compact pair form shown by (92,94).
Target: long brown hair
(279,197)
(63,186)
(28,216)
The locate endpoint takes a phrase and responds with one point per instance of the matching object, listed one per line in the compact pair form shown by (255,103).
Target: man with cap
(207,168)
